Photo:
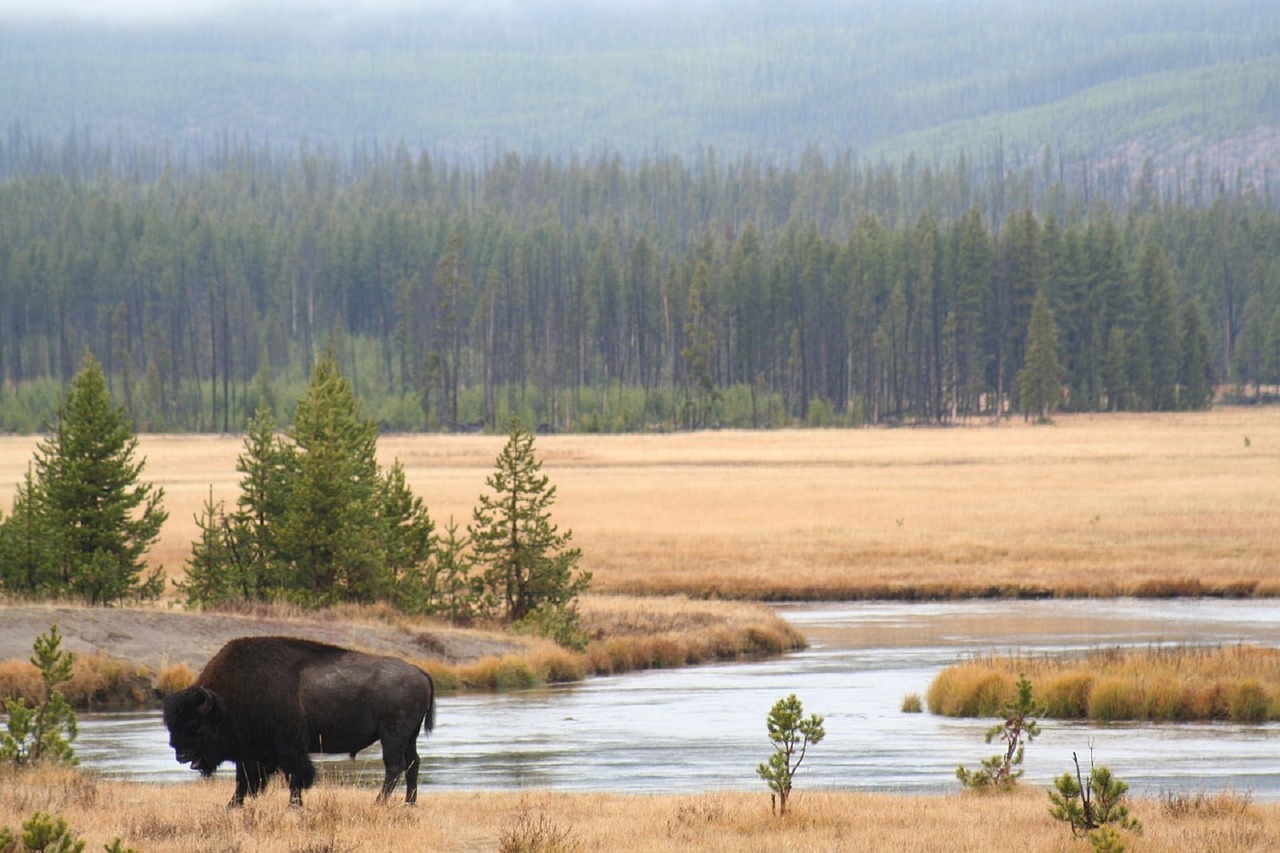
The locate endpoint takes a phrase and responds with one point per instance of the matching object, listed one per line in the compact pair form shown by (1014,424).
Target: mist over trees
(1174,80)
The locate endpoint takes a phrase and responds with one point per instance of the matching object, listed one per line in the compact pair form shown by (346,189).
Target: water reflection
(699,729)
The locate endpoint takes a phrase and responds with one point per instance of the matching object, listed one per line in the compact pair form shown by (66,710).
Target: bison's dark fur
(266,702)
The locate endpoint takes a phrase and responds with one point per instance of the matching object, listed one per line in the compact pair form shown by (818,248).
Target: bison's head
(199,729)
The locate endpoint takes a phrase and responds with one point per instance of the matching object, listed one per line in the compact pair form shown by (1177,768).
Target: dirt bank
(158,638)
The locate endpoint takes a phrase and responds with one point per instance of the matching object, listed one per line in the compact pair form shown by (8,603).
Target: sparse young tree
(99,517)
(527,563)
(43,732)
(1094,807)
(1017,728)
(791,735)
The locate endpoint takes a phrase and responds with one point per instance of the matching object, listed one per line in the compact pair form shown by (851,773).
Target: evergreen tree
(527,562)
(45,731)
(101,520)
(265,466)
(791,734)
(1195,375)
(327,532)
(1160,292)
(408,540)
(698,352)
(211,576)
(26,557)
(1040,380)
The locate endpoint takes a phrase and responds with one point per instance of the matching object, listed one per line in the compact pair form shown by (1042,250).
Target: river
(702,728)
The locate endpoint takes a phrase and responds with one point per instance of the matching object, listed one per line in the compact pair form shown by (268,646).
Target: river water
(699,729)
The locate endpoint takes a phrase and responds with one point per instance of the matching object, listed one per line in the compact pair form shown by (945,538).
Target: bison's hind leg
(411,762)
(399,758)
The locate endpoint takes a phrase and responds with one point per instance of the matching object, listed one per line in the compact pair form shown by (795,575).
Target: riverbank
(192,818)
(127,657)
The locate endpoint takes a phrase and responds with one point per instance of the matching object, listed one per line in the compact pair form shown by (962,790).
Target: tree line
(593,295)
(317,522)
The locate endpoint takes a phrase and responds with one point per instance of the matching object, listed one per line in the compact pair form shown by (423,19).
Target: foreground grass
(191,818)
(1158,504)
(1164,684)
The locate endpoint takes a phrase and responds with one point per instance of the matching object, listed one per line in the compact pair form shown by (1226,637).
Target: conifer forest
(850,254)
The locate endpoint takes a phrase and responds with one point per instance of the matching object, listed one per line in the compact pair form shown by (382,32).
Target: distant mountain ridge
(1173,80)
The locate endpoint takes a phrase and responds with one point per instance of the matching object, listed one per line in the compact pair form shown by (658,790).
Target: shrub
(1116,699)
(1249,702)
(175,677)
(1066,696)
(20,679)
(969,690)
(911,704)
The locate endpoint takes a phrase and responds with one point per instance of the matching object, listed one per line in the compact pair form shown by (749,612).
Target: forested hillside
(640,215)
(590,295)
(1174,80)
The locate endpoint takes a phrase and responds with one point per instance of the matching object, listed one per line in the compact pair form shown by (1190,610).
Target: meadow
(1089,506)
(1092,505)
(191,818)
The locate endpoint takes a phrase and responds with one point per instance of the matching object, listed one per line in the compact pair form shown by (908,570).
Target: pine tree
(210,572)
(1161,321)
(43,732)
(327,528)
(1040,380)
(26,558)
(1195,375)
(452,591)
(100,518)
(527,562)
(408,540)
(265,467)
(791,734)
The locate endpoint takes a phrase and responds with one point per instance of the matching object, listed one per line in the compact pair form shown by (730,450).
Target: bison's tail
(429,720)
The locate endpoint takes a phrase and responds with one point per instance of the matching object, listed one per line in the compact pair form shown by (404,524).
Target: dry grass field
(191,818)
(1091,505)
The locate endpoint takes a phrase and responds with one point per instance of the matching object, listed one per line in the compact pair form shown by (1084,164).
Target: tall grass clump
(1160,683)
(969,690)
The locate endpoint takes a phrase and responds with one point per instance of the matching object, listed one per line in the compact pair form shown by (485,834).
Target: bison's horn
(206,703)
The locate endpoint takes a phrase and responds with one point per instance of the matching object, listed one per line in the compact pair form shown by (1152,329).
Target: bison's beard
(204,764)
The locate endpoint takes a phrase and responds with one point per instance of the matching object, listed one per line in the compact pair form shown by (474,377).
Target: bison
(267,702)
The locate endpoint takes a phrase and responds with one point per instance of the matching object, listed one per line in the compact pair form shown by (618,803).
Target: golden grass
(1159,504)
(629,634)
(191,817)
(1165,684)
(97,681)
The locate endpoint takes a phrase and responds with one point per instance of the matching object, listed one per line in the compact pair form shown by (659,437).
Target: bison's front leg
(300,778)
(251,778)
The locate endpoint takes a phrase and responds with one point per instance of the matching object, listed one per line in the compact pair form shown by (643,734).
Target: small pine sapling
(1094,808)
(1018,728)
(791,734)
(43,732)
